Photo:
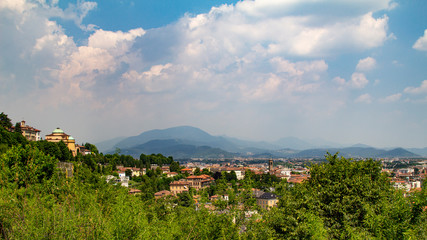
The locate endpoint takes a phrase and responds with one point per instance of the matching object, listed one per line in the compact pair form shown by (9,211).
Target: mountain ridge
(187,142)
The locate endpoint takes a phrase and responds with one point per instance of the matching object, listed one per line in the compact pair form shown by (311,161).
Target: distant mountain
(177,149)
(187,142)
(419,151)
(355,152)
(361,145)
(108,145)
(398,152)
(185,134)
(294,143)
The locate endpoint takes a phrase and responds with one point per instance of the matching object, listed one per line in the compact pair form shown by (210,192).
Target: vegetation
(343,199)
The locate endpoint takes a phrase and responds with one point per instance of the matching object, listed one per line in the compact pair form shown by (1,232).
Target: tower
(270,165)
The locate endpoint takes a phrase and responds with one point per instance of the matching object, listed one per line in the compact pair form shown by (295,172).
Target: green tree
(5,121)
(25,165)
(92,148)
(128,173)
(174,167)
(185,199)
(18,127)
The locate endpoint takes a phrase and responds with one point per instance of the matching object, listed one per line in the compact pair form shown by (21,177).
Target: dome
(70,138)
(58,130)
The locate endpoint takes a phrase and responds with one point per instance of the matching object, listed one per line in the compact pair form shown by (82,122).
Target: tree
(5,121)
(26,165)
(174,167)
(185,199)
(128,173)
(92,148)
(351,199)
(18,127)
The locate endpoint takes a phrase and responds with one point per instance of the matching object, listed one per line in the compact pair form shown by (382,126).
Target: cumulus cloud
(114,41)
(417,90)
(421,43)
(251,22)
(366,64)
(157,79)
(251,52)
(364,98)
(358,80)
(391,98)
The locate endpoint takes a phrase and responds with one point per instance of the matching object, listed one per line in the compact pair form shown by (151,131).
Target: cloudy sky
(350,71)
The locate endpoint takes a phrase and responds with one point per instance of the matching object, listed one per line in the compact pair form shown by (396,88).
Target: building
(199,182)
(59,135)
(163,193)
(134,191)
(171,174)
(267,200)
(187,170)
(270,165)
(30,133)
(179,186)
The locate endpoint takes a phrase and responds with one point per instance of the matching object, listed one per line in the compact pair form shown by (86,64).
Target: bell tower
(270,165)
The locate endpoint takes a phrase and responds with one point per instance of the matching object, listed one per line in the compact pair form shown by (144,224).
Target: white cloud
(248,59)
(227,27)
(391,98)
(366,64)
(298,68)
(417,90)
(358,80)
(114,41)
(157,79)
(364,98)
(421,43)
(16,5)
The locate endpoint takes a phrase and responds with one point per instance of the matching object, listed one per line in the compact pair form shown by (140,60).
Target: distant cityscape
(405,173)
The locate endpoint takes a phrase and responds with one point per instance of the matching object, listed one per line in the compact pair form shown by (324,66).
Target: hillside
(177,149)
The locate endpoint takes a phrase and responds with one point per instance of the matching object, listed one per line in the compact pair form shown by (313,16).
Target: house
(30,133)
(58,135)
(296,178)
(82,149)
(213,198)
(179,186)
(163,193)
(171,174)
(199,182)
(134,191)
(187,170)
(121,174)
(267,200)
(165,169)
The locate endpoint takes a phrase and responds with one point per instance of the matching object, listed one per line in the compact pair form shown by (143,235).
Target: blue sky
(345,71)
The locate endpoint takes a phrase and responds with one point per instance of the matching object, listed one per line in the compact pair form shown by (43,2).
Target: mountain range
(190,142)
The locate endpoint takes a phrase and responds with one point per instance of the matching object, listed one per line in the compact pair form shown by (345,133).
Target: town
(216,183)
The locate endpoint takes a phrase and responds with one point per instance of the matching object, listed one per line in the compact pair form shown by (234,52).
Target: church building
(59,135)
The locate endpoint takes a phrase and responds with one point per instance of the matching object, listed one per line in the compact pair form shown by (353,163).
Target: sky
(350,71)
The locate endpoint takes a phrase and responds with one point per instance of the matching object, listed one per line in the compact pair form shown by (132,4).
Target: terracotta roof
(133,191)
(179,183)
(203,176)
(162,193)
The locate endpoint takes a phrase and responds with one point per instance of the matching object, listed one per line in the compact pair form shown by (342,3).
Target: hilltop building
(30,133)
(59,135)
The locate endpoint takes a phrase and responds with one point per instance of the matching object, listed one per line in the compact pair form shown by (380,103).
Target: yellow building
(179,186)
(267,200)
(59,135)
